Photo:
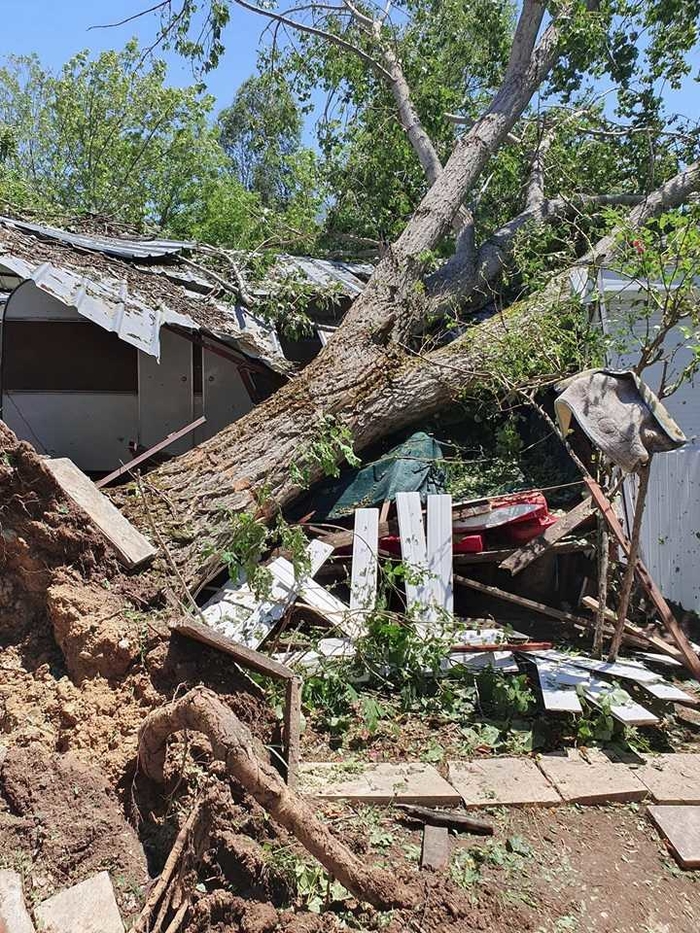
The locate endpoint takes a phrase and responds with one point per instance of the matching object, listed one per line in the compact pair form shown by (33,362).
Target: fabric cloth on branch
(410,467)
(619,414)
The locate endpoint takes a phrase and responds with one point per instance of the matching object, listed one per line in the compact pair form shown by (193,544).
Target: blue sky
(57,29)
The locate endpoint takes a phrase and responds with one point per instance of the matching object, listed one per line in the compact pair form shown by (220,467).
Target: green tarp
(410,467)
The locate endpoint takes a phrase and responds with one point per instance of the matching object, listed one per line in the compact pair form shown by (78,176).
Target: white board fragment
(414,553)
(131,546)
(557,697)
(628,712)
(365,545)
(238,613)
(440,584)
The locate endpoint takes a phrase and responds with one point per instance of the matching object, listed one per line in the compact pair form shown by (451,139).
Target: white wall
(670,541)
(92,428)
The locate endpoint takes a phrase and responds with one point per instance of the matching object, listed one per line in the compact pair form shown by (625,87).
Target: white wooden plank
(238,613)
(131,546)
(557,697)
(630,712)
(627,671)
(440,585)
(479,660)
(414,552)
(365,545)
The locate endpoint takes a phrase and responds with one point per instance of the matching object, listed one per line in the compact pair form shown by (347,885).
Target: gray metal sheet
(104,302)
(122,247)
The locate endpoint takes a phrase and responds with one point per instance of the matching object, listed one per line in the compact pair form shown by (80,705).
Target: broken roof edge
(110,306)
(587,282)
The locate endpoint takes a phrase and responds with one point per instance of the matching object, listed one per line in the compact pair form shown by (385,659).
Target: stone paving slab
(673,778)
(88,907)
(488,782)
(377,783)
(14,917)
(593,779)
(681,827)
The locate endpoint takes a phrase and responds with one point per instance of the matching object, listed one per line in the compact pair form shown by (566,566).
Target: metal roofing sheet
(105,302)
(121,247)
(351,276)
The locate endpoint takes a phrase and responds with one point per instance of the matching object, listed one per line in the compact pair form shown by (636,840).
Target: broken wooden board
(365,549)
(523,557)
(556,696)
(414,553)
(240,615)
(522,601)
(680,826)
(132,547)
(435,852)
(633,633)
(439,583)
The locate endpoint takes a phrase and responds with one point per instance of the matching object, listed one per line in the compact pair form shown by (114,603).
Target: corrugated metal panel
(670,540)
(121,247)
(106,303)
(324,272)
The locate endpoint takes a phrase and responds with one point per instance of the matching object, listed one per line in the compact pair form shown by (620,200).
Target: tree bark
(372,383)
(201,710)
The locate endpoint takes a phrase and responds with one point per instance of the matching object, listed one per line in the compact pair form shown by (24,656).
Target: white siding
(93,429)
(671,530)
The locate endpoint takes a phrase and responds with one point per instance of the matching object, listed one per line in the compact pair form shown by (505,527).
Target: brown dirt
(60,823)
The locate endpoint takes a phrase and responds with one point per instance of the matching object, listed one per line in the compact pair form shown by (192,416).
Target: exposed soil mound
(60,823)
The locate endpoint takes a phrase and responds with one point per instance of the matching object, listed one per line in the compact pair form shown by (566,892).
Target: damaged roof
(110,281)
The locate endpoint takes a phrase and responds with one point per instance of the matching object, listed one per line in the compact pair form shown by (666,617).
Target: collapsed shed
(110,344)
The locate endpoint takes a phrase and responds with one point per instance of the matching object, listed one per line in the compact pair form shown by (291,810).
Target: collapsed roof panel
(107,304)
(120,247)
(130,300)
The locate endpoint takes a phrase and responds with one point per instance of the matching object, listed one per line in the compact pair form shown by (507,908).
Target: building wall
(73,389)
(670,542)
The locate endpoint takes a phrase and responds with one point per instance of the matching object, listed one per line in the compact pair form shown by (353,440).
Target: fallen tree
(378,374)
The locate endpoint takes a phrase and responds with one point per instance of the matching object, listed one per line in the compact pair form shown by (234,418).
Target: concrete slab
(488,782)
(88,907)
(673,778)
(595,778)
(435,853)
(412,782)
(14,916)
(681,827)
